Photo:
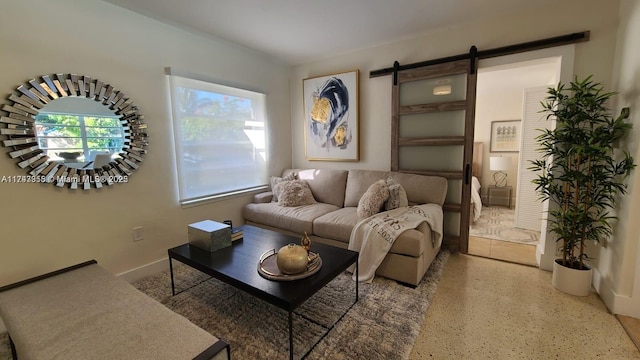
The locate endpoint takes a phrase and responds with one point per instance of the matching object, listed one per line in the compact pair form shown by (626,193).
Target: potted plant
(580,174)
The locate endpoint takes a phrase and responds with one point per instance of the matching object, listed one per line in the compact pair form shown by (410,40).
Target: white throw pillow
(373,199)
(294,193)
(276,180)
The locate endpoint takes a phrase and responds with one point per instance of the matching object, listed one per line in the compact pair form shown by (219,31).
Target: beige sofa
(332,218)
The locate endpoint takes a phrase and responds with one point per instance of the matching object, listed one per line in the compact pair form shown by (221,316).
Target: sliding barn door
(432,134)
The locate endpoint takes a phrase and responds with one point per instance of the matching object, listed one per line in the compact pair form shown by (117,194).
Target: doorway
(509,90)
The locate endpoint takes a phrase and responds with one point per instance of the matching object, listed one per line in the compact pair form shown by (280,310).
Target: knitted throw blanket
(373,237)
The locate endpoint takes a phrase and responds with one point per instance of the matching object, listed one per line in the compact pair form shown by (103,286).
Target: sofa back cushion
(358,182)
(421,189)
(327,186)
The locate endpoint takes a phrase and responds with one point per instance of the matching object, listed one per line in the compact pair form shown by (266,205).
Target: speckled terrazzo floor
(489,309)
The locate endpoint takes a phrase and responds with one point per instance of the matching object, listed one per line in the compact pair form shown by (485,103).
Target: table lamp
(500,165)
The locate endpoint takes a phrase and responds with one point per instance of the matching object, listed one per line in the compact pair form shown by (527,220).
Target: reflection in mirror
(73,130)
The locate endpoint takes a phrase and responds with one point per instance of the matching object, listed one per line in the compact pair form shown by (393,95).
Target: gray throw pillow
(397,196)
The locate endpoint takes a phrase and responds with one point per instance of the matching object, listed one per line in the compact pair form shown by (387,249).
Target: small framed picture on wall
(505,136)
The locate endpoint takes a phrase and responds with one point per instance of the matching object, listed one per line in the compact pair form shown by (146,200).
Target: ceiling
(301,31)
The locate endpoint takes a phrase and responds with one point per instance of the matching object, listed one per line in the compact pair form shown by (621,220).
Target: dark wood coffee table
(237,265)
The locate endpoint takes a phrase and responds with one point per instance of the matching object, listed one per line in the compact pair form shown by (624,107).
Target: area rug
(383,324)
(497,223)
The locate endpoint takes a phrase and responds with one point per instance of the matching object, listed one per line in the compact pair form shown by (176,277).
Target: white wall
(44,227)
(501,104)
(618,266)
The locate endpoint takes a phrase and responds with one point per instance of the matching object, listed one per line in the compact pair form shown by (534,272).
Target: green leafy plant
(579,171)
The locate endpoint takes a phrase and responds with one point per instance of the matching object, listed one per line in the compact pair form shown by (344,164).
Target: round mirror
(73,130)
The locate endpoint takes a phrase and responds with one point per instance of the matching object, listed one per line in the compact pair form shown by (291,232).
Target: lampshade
(499,163)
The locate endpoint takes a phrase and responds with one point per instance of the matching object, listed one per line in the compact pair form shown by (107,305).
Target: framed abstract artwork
(505,136)
(331,117)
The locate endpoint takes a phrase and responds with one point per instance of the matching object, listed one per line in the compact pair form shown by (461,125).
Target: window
(220,139)
(60,133)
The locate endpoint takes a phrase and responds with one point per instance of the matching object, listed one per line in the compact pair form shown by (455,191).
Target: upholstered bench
(85,312)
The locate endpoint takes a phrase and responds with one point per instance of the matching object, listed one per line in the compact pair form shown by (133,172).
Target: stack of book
(236,234)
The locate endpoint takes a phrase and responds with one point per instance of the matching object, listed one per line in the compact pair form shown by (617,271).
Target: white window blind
(220,139)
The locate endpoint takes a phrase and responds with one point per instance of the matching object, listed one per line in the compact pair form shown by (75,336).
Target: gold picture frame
(331,112)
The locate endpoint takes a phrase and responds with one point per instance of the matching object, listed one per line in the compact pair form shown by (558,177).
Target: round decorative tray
(268,267)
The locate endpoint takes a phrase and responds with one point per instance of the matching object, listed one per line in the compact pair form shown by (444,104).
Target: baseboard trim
(539,253)
(616,303)
(545,262)
(627,306)
(143,271)
(604,289)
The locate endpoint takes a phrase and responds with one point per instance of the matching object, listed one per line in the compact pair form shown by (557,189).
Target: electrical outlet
(138,233)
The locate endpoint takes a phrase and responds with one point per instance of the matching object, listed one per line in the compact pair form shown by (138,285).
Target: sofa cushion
(327,186)
(415,186)
(294,193)
(336,225)
(358,181)
(297,219)
(373,199)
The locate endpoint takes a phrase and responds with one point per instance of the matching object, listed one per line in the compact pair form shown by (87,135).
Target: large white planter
(571,281)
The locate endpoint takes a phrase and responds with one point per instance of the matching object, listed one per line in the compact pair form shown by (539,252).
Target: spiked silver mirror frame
(17,127)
